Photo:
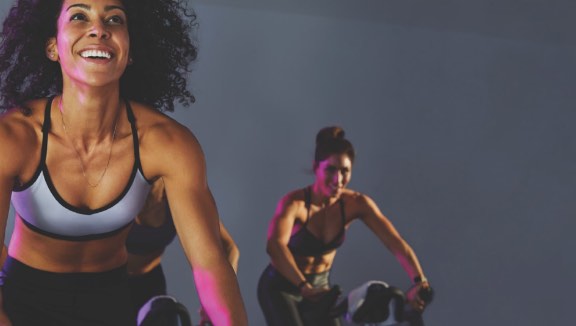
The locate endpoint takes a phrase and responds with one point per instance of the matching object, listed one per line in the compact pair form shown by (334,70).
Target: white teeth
(95,54)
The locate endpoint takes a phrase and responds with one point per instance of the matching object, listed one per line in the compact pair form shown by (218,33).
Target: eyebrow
(87,7)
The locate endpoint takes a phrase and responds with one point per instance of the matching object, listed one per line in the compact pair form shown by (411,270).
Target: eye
(115,20)
(78,16)
(331,169)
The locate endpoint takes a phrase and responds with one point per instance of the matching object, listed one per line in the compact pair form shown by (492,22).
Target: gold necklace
(78,153)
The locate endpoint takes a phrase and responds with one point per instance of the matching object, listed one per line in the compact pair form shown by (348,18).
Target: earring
(130,61)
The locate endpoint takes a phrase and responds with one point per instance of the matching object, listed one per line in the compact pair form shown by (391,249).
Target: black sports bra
(143,239)
(304,243)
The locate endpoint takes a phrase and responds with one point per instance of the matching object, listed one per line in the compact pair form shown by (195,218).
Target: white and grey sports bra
(43,210)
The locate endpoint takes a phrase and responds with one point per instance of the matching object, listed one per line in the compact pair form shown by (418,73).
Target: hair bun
(328,134)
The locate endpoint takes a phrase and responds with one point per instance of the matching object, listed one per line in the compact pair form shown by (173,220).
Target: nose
(99,30)
(339,178)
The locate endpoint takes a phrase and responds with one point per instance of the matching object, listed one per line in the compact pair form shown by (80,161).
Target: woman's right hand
(311,293)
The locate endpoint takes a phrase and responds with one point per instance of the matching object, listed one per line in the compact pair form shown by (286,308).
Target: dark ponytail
(330,141)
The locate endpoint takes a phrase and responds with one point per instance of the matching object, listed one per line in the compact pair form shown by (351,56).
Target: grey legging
(279,299)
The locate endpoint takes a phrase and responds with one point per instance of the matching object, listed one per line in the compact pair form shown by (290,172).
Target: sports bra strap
(46,126)
(132,120)
(308,202)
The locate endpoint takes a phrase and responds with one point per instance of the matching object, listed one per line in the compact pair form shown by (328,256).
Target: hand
(312,293)
(414,299)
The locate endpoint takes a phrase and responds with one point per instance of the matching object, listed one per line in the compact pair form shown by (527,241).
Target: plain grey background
(461,113)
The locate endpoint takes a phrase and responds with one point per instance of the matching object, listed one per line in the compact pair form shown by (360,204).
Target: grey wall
(464,140)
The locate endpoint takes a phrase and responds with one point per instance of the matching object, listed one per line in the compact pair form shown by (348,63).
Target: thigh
(35,297)
(26,306)
(144,287)
(280,307)
(106,306)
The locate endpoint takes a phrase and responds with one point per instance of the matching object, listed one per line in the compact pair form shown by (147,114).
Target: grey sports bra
(43,210)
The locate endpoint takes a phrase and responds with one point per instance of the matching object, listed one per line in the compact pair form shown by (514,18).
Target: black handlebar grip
(426,294)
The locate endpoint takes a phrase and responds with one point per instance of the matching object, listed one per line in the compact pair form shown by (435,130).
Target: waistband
(18,272)
(315,279)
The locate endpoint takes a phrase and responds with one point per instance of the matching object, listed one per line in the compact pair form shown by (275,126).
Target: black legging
(279,299)
(144,287)
(36,297)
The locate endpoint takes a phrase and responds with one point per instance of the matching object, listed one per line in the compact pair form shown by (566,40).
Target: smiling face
(92,42)
(333,174)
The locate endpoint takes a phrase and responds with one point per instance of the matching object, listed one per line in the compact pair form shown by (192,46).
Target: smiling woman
(82,140)
(309,225)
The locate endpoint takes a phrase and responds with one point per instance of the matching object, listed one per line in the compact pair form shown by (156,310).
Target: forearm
(284,262)
(408,260)
(220,295)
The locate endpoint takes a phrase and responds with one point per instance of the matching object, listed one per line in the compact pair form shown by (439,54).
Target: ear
(52,49)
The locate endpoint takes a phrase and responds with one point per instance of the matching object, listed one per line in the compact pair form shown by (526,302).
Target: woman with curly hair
(83,84)
(308,227)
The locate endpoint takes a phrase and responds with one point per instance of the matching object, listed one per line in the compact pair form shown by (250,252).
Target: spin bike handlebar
(372,303)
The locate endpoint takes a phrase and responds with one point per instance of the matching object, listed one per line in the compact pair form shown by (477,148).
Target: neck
(90,114)
(319,199)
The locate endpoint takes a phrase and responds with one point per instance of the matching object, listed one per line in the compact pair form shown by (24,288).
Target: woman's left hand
(414,298)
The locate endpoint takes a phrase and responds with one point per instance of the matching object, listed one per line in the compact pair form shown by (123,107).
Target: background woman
(84,139)
(310,224)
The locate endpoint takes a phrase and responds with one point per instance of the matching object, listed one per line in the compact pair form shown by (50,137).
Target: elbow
(272,248)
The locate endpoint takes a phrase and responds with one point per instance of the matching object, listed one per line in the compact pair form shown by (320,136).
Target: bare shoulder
(293,198)
(359,203)
(164,141)
(153,125)
(291,203)
(355,197)
(20,134)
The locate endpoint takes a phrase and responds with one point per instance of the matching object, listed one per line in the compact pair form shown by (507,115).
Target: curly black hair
(162,46)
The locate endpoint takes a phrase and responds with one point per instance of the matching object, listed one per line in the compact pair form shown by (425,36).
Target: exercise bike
(373,303)
(163,310)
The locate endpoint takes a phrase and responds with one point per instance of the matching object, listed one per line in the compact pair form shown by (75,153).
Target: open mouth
(96,54)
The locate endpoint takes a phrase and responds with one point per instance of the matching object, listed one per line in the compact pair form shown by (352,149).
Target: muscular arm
(386,232)
(180,162)
(279,232)
(233,255)
(6,184)
(14,138)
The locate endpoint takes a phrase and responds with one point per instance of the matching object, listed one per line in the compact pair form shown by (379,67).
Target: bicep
(190,200)
(281,225)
